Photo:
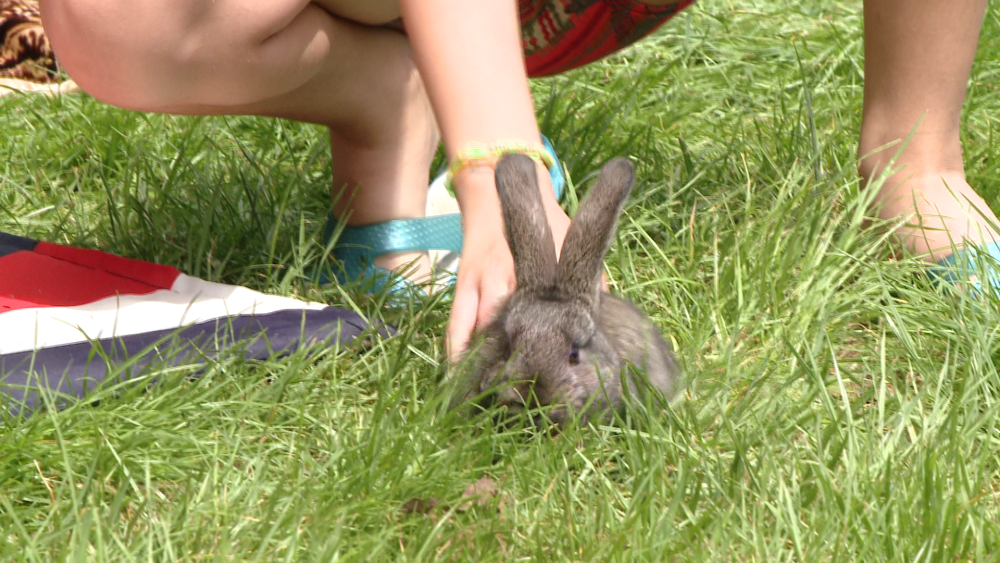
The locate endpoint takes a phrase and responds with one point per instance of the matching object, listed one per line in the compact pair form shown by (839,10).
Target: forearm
(469,55)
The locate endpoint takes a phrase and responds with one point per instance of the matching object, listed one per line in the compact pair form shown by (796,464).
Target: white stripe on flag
(190,300)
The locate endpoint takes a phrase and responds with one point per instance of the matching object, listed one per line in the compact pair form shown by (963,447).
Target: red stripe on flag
(162,277)
(74,277)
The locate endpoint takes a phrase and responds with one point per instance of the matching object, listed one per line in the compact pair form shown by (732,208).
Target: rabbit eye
(574,355)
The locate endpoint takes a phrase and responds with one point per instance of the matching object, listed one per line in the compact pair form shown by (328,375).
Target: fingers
(479,290)
(461,321)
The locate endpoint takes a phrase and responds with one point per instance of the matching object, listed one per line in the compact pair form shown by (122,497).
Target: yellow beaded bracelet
(476,155)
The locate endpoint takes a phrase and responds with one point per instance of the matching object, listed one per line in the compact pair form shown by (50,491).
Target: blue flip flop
(356,247)
(968,265)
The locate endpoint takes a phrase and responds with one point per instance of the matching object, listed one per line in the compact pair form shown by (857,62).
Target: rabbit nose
(511,396)
(517,368)
(520,381)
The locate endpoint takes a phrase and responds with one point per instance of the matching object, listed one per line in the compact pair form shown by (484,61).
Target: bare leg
(290,59)
(918,57)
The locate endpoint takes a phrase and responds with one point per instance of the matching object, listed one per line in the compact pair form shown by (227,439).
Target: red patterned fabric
(25,52)
(560,35)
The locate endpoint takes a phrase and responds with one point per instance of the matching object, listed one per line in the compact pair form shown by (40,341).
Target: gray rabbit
(559,339)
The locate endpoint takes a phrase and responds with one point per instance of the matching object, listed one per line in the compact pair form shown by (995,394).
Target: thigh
(371,12)
(151,53)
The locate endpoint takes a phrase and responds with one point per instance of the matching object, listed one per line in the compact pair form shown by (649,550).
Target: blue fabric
(13,243)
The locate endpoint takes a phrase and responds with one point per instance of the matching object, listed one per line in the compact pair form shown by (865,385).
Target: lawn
(837,407)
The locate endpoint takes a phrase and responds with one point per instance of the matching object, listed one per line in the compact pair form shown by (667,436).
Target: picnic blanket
(72,317)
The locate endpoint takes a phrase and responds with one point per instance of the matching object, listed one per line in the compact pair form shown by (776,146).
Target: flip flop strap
(960,265)
(558,175)
(443,232)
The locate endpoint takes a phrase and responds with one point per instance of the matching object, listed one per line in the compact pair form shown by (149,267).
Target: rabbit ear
(525,225)
(591,231)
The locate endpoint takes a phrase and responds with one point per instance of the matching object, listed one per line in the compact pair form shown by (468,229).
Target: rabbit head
(560,340)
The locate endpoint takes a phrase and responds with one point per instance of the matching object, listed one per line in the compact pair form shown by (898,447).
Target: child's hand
(485,278)
(486,272)
(472,64)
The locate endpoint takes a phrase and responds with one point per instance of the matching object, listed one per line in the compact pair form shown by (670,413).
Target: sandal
(439,233)
(966,265)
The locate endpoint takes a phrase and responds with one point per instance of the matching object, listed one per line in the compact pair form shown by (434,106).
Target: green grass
(838,408)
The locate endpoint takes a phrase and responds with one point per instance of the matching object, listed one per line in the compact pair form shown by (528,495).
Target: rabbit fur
(559,339)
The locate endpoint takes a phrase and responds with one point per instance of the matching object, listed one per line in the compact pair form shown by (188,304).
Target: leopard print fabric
(25,51)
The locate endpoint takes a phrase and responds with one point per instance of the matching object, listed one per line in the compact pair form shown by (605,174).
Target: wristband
(477,155)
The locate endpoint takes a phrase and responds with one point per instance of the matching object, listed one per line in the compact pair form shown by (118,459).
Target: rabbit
(559,339)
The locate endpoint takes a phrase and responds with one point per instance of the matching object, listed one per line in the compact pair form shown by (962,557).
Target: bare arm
(469,54)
